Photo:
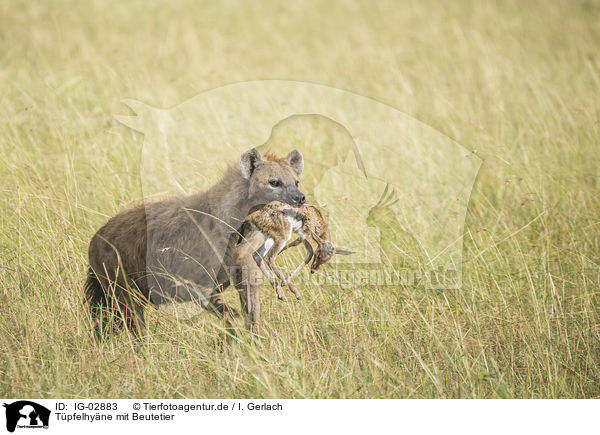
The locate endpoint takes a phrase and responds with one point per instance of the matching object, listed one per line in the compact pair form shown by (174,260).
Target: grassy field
(515,82)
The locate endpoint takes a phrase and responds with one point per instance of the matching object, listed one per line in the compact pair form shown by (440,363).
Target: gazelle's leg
(259,257)
(270,257)
(291,286)
(284,281)
(307,258)
(292,244)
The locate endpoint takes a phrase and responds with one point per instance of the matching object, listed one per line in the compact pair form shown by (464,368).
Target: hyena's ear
(249,162)
(296,161)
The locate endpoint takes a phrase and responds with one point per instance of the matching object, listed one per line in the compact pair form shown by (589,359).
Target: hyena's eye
(275,183)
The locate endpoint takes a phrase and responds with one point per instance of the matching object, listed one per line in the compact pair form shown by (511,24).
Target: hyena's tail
(100,307)
(94,294)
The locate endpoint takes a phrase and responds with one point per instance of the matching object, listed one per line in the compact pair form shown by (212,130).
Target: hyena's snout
(299,198)
(295,197)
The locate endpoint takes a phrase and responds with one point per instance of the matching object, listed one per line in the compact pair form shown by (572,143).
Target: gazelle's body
(277,221)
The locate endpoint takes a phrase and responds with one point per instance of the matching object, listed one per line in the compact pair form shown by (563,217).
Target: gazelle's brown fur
(277,221)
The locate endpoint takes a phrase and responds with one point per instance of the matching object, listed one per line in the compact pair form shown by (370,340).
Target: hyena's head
(271,178)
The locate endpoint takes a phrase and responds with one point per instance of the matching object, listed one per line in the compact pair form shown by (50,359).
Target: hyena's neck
(228,199)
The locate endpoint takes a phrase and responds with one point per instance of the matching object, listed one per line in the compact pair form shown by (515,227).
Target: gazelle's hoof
(299,298)
(283,283)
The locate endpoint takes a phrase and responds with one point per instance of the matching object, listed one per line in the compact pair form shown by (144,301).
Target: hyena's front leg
(248,280)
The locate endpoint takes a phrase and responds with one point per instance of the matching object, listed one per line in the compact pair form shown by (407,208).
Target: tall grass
(515,83)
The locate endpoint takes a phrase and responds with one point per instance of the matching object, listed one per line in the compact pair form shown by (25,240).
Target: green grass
(517,83)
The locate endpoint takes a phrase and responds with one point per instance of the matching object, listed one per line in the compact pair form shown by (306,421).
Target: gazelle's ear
(344,251)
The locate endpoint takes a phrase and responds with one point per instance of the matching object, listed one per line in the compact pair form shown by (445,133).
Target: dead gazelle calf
(277,221)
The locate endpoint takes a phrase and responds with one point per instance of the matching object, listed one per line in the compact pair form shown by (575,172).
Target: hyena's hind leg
(134,320)
(130,308)
(114,305)
(217,306)
(98,294)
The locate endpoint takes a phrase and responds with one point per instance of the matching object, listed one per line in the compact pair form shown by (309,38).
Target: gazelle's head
(324,253)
